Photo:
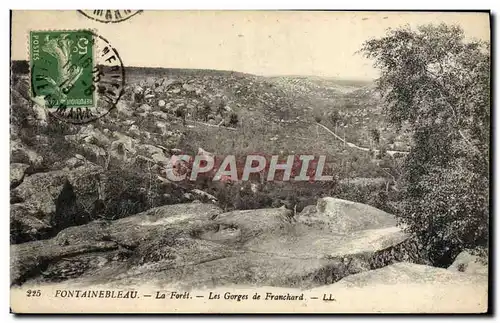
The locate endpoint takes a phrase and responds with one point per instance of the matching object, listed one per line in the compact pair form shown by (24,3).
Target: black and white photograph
(298,161)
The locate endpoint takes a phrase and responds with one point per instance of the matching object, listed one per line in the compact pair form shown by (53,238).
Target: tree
(375,134)
(334,117)
(438,83)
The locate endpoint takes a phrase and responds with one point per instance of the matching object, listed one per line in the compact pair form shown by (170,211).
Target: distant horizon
(340,78)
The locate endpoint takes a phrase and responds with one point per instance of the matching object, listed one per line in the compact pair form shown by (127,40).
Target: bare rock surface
(345,216)
(468,263)
(20,153)
(409,288)
(408,273)
(17,171)
(53,201)
(197,245)
(27,223)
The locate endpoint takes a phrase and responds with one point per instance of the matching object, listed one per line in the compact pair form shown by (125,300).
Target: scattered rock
(123,110)
(93,136)
(75,162)
(203,152)
(204,195)
(160,158)
(134,130)
(144,108)
(138,89)
(123,148)
(168,107)
(17,171)
(189,87)
(93,150)
(19,153)
(119,150)
(162,127)
(128,122)
(160,115)
(149,150)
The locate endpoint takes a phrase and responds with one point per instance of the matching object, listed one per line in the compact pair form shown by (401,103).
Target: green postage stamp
(61,65)
(76,74)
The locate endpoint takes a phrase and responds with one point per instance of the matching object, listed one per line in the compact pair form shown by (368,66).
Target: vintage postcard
(249,161)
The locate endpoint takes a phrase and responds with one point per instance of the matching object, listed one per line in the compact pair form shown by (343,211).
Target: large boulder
(196,245)
(149,150)
(123,110)
(160,158)
(75,162)
(134,131)
(89,135)
(189,87)
(345,216)
(408,288)
(93,136)
(93,150)
(123,148)
(58,198)
(144,108)
(27,223)
(17,171)
(20,153)
(161,115)
(468,263)
(113,243)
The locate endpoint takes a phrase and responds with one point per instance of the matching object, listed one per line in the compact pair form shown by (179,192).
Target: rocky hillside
(352,108)
(109,168)
(89,204)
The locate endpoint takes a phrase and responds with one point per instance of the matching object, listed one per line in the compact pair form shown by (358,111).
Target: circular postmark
(77,75)
(109,16)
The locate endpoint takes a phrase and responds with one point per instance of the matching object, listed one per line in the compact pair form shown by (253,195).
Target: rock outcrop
(20,153)
(468,263)
(17,172)
(45,203)
(345,216)
(196,245)
(409,288)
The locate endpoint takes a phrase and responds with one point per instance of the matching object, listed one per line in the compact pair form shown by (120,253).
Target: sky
(258,42)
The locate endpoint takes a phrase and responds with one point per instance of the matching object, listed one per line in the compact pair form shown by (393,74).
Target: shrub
(233,119)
